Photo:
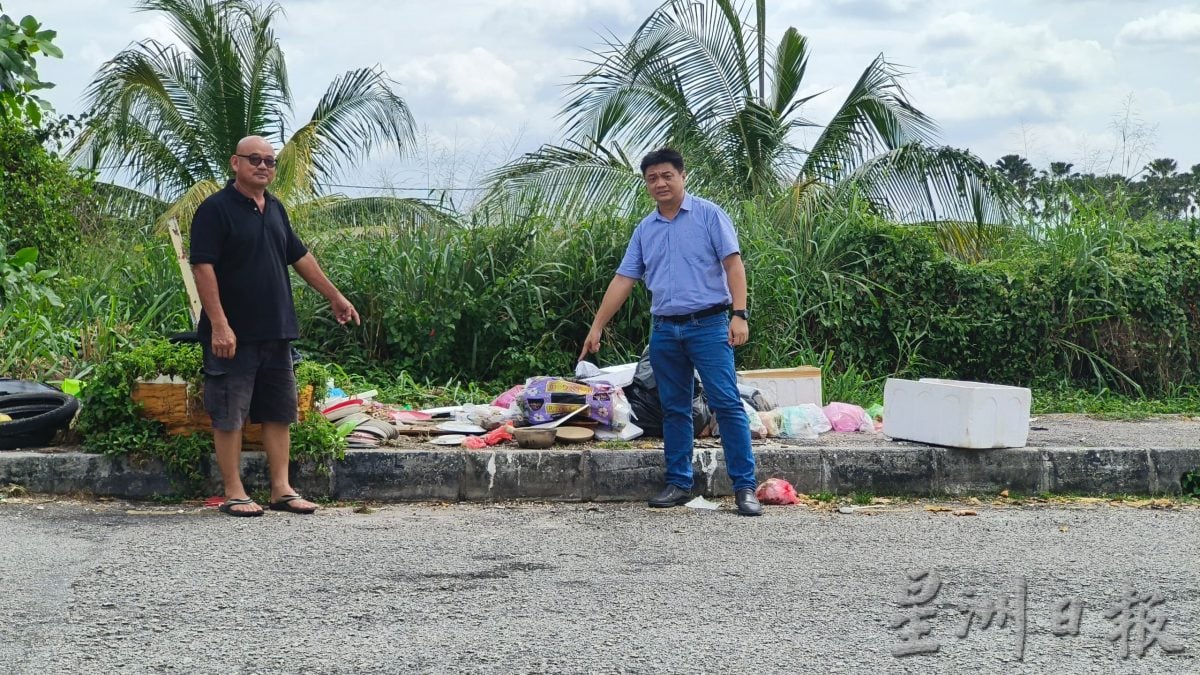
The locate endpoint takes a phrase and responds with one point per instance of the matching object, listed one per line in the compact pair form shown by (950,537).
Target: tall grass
(116,287)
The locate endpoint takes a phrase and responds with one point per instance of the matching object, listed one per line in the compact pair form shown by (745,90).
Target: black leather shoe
(747,503)
(670,496)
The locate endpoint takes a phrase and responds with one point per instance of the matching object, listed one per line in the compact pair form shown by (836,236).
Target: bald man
(241,246)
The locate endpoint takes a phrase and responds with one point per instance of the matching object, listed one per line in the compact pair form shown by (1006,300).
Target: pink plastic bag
(505,400)
(848,417)
(777,491)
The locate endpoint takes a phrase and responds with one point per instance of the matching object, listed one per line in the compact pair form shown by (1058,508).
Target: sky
(1107,85)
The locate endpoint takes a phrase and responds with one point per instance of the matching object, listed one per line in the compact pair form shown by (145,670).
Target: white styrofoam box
(956,414)
(786,386)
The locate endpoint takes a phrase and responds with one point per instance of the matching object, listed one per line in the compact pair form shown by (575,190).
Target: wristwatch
(743,313)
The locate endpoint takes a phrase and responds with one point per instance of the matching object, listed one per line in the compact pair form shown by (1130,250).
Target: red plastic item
(494,437)
(777,491)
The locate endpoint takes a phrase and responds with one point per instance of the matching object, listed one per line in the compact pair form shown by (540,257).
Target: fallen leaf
(938,509)
(1161,504)
(365,510)
(1004,493)
(974,500)
(965,512)
(1063,528)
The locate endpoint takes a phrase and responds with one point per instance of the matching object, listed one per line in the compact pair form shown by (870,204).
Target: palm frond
(145,119)
(358,112)
(333,216)
(126,205)
(952,188)
(566,180)
(876,117)
(184,208)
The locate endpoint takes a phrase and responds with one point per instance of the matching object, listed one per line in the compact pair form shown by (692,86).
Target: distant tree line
(1159,189)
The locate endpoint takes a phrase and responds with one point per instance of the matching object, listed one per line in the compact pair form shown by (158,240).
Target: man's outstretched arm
(618,291)
(310,271)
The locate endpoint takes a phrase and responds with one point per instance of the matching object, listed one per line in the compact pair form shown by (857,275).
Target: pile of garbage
(615,403)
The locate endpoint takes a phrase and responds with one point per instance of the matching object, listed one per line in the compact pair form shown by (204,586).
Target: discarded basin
(534,438)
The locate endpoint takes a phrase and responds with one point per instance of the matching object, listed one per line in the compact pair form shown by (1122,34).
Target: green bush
(42,199)
(1091,304)
(110,421)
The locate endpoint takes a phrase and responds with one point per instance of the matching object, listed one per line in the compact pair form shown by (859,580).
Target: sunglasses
(255,160)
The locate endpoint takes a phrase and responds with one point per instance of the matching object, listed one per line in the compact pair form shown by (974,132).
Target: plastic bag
(876,414)
(757,429)
(806,420)
(770,420)
(777,491)
(547,398)
(487,416)
(506,399)
(848,417)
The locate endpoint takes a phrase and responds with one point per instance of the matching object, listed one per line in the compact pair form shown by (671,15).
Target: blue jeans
(676,349)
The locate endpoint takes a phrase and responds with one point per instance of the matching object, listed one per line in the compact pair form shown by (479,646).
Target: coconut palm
(166,118)
(699,76)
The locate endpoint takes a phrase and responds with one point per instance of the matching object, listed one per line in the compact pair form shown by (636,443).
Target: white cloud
(481,76)
(1176,26)
(476,77)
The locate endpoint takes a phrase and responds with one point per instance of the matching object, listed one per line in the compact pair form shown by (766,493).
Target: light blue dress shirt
(680,260)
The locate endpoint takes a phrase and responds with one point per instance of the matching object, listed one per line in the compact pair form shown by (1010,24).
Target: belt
(684,318)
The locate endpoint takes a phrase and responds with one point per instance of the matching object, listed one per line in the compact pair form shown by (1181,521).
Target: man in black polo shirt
(242,244)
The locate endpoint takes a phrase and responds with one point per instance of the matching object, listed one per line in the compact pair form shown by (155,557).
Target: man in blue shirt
(687,254)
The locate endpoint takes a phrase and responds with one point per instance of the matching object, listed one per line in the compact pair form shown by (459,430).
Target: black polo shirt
(250,253)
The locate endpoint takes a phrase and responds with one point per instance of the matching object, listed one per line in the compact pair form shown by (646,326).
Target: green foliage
(110,423)
(19,44)
(316,439)
(109,419)
(487,303)
(28,339)
(45,202)
(1191,484)
(1050,396)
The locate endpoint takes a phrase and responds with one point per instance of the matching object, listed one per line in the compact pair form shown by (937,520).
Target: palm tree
(699,76)
(168,117)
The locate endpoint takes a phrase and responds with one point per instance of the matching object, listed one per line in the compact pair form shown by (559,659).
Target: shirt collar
(686,205)
(238,193)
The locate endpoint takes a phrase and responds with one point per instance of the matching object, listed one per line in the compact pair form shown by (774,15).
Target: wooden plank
(185,268)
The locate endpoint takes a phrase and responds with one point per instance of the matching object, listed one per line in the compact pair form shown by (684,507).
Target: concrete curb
(621,475)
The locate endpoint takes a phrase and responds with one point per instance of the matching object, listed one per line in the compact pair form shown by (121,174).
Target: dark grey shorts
(258,382)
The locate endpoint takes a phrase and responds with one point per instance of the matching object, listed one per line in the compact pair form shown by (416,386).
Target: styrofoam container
(955,413)
(786,386)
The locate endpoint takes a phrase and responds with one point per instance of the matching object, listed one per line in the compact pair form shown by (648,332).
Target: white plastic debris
(702,503)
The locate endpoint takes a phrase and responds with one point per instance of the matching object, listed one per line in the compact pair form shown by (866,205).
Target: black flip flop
(285,504)
(227,508)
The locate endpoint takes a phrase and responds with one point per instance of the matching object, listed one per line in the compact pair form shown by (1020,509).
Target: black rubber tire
(11,387)
(23,412)
(36,430)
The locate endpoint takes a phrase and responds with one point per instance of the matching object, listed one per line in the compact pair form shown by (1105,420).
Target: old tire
(36,417)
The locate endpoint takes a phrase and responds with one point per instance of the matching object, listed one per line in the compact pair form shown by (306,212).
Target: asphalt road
(587,588)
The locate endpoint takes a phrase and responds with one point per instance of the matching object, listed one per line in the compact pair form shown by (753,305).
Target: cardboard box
(955,413)
(786,386)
